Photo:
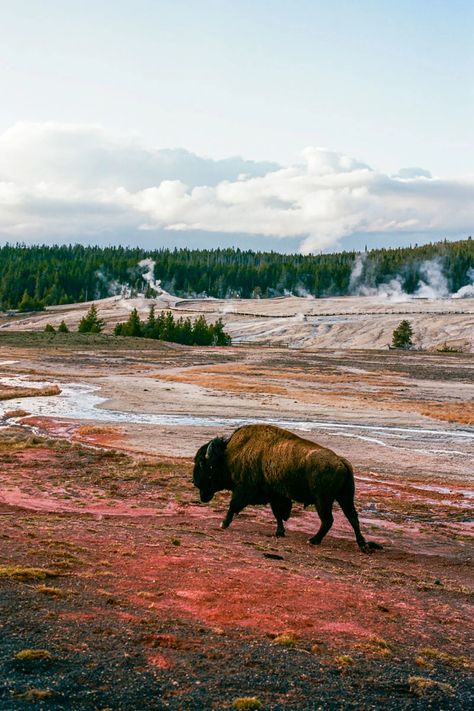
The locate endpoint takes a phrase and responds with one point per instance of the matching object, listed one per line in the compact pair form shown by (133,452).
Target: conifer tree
(202,336)
(30,303)
(150,325)
(401,337)
(90,323)
(220,337)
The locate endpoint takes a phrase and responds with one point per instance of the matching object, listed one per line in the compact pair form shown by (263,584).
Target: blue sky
(389,84)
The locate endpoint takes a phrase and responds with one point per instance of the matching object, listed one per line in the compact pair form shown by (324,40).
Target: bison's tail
(347,491)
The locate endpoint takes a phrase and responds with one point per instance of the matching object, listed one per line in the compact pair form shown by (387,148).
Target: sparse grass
(462,413)
(344,660)
(51,591)
(286,639)
(445,348)
(35,694)
(422,686)
(380,646)
(26,575)
(16,413)
(96,430)
(424,663)
(247,703)
(32,655)
(451,660)
(8,392)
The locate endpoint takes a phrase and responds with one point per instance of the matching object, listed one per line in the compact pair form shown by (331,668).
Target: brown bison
(263,464)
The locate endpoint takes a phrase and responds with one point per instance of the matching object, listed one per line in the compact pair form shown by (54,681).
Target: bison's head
(209,463)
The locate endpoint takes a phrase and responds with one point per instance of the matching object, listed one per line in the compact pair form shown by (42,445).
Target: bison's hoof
(370,547)
(314,541)
(225,524)
(280,534)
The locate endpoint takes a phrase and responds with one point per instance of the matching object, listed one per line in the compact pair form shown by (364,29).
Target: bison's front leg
(237,503)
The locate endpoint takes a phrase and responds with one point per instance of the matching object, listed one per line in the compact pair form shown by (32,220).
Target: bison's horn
(216,447)
(211,446)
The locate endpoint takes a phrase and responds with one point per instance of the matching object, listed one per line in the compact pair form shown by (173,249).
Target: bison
(264,464)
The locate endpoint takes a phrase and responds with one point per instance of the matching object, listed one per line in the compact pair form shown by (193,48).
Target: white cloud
(55,177)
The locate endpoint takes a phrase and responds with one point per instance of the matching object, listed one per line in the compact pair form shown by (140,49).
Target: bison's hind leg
(324,509)
(281,508)
(346,502)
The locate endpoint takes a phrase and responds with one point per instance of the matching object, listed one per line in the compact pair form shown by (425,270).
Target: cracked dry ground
(137,599)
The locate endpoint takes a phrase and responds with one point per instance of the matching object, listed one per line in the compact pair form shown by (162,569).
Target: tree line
(163,327)
(32,277)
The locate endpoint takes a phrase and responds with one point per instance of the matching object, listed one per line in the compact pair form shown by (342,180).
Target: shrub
(32,654)
(247,703)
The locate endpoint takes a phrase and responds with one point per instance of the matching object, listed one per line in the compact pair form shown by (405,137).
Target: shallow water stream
(81,401)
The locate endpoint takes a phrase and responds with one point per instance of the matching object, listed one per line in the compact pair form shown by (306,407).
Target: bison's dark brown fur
(263,464)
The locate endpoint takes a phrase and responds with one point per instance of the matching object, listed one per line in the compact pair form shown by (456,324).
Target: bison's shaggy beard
(209,474)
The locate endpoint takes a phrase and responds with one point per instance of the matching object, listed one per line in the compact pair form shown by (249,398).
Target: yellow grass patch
(25,574)
(35,694)
(344,660)
(422,686)
(462,412)
(32,654)
(16,413)
(459,662)
(286,639)
(95,430)
(51,591)
(8,392)
(247,703)
(380,646)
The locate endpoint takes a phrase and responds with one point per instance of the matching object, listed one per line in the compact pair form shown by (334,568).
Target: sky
(294,125)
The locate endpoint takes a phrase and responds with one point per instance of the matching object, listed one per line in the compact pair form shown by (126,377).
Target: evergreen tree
(401,337)
(29,303)
(62,328)
(133,326)
(219,336)
(167,329)
(49,328)
(31,277)
(150,325)
(202,335)
(90,323)
(187,332)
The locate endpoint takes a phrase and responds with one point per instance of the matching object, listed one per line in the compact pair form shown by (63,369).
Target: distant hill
(38,276)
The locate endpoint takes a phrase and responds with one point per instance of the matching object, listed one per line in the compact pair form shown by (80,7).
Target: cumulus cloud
(54,177)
